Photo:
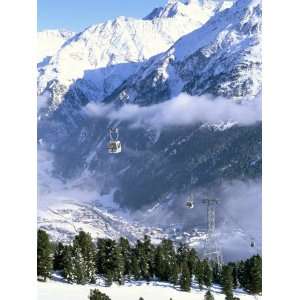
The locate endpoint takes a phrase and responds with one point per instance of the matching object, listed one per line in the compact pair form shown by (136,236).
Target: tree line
(83,261)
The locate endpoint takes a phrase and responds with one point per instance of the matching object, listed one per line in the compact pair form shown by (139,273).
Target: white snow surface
(130,291)
(49,41)
(217,32)
(64,220)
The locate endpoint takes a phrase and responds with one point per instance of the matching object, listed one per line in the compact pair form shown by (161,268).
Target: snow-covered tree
(68,264)
(44,255)
(109,260)
(86,253)
(185,278)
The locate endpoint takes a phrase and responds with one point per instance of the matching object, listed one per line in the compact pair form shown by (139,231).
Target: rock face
(117,63)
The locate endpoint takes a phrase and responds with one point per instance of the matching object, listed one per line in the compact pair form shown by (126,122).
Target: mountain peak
(173,8)
(189,8)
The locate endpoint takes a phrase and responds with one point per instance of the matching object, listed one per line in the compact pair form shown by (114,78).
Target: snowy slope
(106,54)
(130,291)
(49,41)
(223,57)
(66,219)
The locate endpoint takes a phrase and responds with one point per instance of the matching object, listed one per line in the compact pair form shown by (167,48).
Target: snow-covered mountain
(64,220)
(49,41)
(223,58)
(98,59)
(191,8)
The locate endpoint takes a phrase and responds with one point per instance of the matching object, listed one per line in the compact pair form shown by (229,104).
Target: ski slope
(55,290)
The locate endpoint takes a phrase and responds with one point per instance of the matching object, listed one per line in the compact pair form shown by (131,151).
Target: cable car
(252,244)
(190,202)
(114,146)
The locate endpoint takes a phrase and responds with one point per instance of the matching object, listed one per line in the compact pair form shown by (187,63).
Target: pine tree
(227,282)
(68,264)
(97,295)
(44,255)
(254,274)
(87,253)
(165,264)
(79,267)
(126,254)
(250,274)
(78,260)
(135,268)
(110,261)
(209,296)
(208,274)
(174,273)
(182,253)
(58,257)
(216,269)
(192,259)
(101,256)
(145,253)
(117,264)
(234,274)
(185,278)
(159,263)
(199,273)
(242,274)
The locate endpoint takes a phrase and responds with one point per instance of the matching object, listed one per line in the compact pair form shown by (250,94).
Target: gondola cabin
(189,204)
(114,147)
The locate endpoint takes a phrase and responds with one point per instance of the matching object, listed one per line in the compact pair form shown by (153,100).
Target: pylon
(212,250)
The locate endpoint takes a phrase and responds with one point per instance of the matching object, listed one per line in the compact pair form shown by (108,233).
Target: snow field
(56,290)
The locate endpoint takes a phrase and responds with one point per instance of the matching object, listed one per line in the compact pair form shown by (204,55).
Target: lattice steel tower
(212,250)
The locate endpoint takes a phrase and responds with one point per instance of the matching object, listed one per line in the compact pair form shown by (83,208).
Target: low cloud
(53,190)
(181,110)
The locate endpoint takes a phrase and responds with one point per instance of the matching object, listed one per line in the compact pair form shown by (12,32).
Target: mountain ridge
(223,60)
(104,55)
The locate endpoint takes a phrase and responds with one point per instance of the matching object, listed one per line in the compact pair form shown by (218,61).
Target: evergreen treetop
(227,282)
(97,295)
(208,296)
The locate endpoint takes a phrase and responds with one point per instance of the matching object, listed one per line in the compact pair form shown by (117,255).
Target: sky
(76,15)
